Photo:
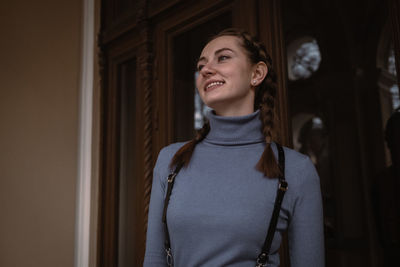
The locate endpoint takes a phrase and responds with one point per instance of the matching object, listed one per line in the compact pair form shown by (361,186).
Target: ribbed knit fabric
(221,205)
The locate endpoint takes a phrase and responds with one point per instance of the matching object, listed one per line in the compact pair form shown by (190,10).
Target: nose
(207,70)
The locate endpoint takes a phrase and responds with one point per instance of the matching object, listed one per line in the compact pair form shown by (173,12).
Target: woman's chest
(221,203)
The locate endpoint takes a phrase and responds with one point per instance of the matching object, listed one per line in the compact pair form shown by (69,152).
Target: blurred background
(91,90)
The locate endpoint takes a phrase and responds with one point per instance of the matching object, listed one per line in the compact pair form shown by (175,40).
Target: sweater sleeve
(306,235)
(155,254)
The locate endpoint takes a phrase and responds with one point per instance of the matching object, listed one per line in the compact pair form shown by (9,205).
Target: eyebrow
(216,52)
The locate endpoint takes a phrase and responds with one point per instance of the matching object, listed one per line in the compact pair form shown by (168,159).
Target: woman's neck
(235,108)
(234,112)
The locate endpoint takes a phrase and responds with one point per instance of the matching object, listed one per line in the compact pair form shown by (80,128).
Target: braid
(267,163)
(184,154)
(264,98)
(268,88)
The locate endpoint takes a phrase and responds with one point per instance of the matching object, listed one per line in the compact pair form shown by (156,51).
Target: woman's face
(225,76)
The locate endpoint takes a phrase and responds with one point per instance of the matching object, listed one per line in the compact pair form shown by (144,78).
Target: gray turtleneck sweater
(221,205)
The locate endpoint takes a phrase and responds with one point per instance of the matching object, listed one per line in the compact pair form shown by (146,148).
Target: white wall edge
(83,192)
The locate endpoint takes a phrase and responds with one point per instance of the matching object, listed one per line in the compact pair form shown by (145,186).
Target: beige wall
(39,94)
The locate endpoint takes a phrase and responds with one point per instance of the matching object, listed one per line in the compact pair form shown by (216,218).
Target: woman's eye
(199,67)
(222,58)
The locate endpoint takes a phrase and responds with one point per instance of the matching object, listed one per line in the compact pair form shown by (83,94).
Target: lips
(212,84)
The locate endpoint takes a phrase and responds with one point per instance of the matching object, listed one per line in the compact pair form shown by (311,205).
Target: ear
(260,71)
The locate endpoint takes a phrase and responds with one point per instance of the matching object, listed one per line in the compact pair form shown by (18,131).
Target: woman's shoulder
(165,156)
(295,158)
(170,150)
(299,169)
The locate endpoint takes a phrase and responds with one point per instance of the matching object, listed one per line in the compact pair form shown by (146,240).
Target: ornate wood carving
(145,65)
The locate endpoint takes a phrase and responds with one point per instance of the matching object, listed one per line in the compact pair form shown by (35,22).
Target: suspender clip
(283,185)
(262,260)
(171,177)
(169,257)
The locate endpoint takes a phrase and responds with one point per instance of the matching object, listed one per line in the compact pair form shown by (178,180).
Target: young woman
(223,195)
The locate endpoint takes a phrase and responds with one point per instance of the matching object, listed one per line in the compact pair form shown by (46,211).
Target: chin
(217,108)
(215,100)
(213,104)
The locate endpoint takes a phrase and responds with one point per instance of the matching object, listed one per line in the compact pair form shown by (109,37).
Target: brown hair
(264,99)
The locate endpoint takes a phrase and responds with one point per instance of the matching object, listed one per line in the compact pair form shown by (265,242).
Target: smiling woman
(225,209)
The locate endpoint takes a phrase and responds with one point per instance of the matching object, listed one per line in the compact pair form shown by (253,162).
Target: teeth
(214,83)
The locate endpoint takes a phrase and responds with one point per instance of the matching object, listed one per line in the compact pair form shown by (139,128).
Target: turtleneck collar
(239,130)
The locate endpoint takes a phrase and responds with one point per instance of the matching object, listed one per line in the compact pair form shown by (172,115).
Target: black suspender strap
(282,187)
(167,245)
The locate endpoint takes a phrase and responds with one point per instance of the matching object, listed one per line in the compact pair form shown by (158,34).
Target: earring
(254,82)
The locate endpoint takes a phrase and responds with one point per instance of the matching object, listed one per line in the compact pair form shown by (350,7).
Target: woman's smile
(211,85)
